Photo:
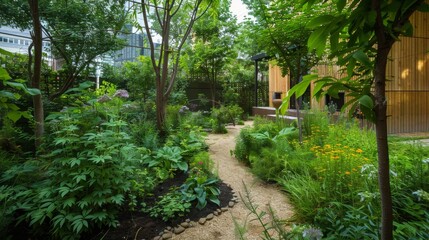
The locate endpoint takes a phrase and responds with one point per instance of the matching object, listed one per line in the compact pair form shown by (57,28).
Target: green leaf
(362,58)
(77,225)
(6,53)
(7,94)
(59,221)
(287,131)
(319,21)
(69,202)
(320,84)
(14,115)
(214,200)
(341,4)
(33,91)
(182,166)
(4,75)
(366,101)
(63,190)
(317,40)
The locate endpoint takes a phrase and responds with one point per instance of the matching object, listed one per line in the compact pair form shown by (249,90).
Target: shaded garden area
(95,147)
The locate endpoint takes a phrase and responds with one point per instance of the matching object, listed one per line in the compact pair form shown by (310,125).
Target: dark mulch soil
(138,225)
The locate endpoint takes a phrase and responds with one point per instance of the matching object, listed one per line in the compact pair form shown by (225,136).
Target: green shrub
(203,162)
(84,179)
(144,133)
(201,189)
(169,206)
(331,176)
(189,138)
(342,221)
(199,118)
(271,161)
(225,115)
(173,116)
(166,161)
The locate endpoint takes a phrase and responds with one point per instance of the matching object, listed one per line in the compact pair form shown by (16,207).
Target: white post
(97,77)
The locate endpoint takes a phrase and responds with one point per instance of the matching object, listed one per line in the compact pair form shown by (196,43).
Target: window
(339,102)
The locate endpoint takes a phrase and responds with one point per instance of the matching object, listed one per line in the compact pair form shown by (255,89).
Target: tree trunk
(382,146)
(36,74)
(161,112)
(384,44)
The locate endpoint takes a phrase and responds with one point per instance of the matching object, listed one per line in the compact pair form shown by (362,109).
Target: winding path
(234,173)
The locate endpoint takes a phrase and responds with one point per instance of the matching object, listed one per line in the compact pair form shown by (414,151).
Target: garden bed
(139,225)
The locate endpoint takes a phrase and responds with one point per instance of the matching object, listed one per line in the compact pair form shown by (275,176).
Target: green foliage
(189,138)
(144,133)
(199,118)
(304,192)
(224,115)
(173,116)
(272,160)
(347,222)
(251,140)
(331,177)
(166,161)
(137,77)
(12,90)
(202,162)
(201,189)
(84,179)
(170,206)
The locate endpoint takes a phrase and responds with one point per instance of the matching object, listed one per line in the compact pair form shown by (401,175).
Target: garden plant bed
(139,225)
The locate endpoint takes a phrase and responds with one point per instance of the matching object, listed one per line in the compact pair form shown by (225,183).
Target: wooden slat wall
(407,89)
(277,82)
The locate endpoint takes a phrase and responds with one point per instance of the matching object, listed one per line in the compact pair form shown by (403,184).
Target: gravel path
(234,173)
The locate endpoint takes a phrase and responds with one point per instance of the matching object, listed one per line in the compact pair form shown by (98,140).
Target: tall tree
(361,34)
(35,74)
(80,31)
(159,15)
(212,48)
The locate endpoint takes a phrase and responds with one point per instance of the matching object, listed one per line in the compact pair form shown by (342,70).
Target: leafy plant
(83,181)
(202,190)
(12,91)
(189,138)
(202,162)
(170,206)
(224,115)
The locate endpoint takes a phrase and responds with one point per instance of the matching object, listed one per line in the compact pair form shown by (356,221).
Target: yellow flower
(359,150)
(335,157)
(327,146)
(347,173)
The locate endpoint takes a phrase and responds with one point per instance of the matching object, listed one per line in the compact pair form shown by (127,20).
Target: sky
(238,9)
